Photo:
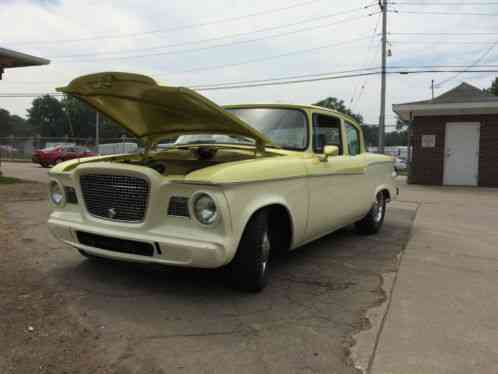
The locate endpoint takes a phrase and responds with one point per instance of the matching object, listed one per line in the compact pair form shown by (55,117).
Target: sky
(192,42)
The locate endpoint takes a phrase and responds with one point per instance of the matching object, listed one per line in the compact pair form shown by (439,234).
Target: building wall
(488,153)
(427,164)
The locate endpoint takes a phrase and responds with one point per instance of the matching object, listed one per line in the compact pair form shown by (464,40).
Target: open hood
(147,110)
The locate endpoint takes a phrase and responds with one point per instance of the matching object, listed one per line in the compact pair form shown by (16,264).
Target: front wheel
(248,270)
(372,222)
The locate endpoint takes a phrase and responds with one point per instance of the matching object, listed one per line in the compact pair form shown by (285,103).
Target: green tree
(371,135)
(5,124)
(336,104)
(47,118)
(81,120)
(20,127)
(493,90)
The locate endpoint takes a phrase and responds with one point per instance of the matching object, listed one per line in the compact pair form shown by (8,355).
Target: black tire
(372,222)
(44,165)
(248,270)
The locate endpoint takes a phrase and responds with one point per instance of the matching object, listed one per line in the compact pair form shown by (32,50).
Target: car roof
(314,108)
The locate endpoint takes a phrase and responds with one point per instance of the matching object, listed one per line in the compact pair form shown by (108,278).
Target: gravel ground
(61,313)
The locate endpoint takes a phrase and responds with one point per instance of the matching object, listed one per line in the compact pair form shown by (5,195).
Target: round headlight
(56,193)
(205,209)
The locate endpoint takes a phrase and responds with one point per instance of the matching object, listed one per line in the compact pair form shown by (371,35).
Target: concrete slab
(442,317)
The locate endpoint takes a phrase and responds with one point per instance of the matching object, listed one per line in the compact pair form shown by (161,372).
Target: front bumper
(168,250)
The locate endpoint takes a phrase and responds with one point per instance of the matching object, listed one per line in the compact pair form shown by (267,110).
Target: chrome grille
(115,197)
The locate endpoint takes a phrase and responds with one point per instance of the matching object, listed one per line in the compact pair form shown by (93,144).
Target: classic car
(53,155)
(235,186)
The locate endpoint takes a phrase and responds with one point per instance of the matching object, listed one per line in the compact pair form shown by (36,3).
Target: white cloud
(47,20)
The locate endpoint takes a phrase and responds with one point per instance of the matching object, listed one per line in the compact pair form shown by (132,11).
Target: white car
(241,182)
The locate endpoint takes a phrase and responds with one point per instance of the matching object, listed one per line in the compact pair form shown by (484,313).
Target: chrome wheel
(265,249)
(379,207)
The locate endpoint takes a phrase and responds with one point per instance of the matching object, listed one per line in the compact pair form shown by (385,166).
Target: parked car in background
(52,156)
(241,183)
(400,164)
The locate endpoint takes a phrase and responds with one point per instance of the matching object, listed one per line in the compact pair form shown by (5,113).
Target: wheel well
(280,226)
(387,195)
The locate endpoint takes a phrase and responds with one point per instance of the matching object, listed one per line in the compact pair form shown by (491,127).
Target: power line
(178,28)
(286,78)
(263,84)
(476,62)
(443,3)
(447,13)
(203,41)
(289,81)
(175,52)
(444,33)
(354,97)
(441,42)
(394,68)
(216,67)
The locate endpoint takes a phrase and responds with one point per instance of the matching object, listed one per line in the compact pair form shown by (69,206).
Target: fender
(260,202)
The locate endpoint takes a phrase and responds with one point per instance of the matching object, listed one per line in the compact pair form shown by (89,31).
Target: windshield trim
(307,132)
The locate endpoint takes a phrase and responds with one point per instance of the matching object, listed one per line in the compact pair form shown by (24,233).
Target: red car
(51,156)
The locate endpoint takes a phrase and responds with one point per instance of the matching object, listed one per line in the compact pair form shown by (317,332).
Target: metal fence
(16,148)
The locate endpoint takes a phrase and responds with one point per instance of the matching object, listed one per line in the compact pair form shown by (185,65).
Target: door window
(353,137)
(326,131)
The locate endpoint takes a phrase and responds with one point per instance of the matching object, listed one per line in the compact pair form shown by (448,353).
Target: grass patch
(9,180)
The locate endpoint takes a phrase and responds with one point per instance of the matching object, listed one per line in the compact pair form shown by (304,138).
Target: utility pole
(97,131)
(432,88)
(382,118)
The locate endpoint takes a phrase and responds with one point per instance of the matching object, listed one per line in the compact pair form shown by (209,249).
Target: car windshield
(286,128)
(211,139)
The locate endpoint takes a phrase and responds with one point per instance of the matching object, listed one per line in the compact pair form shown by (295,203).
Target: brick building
(453,138)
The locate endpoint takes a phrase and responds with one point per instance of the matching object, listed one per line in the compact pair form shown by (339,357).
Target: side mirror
(330,151)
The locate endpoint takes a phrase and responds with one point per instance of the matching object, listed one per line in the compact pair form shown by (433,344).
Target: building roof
(463,99)
(463,93)
(13,59)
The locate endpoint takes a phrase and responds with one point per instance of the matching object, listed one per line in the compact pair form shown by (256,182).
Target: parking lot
(26,171)
(62,313)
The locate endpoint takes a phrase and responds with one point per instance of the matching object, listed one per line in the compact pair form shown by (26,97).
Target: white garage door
(461,160)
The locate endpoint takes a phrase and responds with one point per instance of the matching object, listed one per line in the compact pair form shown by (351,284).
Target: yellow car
(215,187)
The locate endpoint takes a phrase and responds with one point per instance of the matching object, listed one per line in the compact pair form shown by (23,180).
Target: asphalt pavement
(63,313)
(25,170)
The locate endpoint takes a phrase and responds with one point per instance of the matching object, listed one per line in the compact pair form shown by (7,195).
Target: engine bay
(184,160)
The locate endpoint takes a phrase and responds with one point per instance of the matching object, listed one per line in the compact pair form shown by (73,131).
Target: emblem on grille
(111,213)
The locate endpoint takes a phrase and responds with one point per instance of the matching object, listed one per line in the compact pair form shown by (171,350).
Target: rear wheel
(372,222)
(248,270)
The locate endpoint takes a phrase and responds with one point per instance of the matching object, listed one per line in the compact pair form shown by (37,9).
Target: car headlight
(204,208)
(56,193)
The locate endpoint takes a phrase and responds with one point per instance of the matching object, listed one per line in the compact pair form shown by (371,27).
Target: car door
(362,190)
(331,181)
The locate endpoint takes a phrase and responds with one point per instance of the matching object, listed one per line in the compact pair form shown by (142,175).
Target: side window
(326,131)
(353,137)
